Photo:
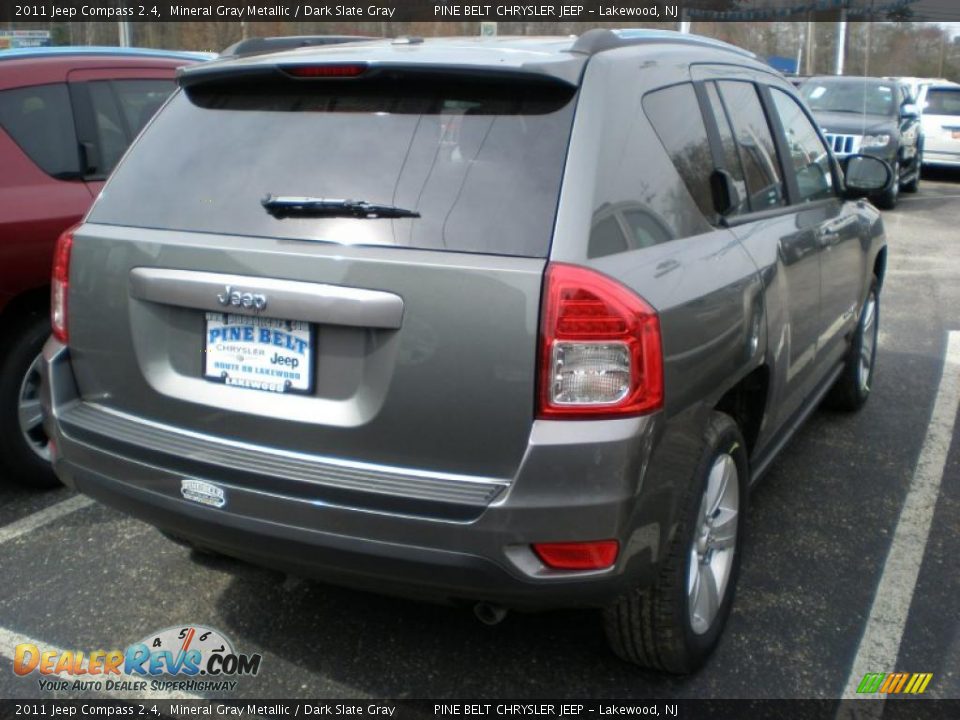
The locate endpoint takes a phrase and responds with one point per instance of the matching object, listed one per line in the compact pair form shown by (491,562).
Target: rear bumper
(578,481)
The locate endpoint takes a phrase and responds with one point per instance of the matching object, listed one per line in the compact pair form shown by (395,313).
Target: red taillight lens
(578,555)
(60,285)
(325,71)
(600,352)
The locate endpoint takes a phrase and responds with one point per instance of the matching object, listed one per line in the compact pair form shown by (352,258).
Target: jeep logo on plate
(203,492)
(238,298)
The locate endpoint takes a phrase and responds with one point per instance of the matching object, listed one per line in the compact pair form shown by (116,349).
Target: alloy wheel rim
(714,544)
(868,342)
(30,414)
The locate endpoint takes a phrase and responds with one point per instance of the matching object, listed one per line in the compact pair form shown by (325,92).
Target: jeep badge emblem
(238,298)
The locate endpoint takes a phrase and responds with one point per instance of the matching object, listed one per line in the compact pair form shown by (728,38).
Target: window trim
(767,212)
(764,89)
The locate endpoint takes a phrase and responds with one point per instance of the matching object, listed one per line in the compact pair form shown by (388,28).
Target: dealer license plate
(259,353)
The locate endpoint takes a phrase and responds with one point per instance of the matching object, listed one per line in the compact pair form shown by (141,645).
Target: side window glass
(809,159)
(111,132)
(40,120)
(675,115)
(731,159)
(140,99)
(755,145)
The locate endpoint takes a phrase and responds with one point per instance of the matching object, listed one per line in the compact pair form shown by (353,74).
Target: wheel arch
(746,403)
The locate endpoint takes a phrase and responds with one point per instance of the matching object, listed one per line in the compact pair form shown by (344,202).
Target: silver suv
(511,323)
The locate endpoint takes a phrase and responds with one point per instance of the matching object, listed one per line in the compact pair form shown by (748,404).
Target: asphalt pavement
(822,529)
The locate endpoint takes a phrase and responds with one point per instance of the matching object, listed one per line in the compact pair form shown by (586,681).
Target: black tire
(914,185)
(852,388)
(888,200)
(652,626)
(19,461)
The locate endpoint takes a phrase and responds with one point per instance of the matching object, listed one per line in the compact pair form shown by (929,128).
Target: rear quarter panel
(703,284)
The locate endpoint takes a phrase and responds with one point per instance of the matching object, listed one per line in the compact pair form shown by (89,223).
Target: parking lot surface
(807,615)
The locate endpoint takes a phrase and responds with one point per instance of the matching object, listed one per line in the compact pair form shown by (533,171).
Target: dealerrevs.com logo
(186,658)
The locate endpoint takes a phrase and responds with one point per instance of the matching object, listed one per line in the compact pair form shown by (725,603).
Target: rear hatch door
(405,338)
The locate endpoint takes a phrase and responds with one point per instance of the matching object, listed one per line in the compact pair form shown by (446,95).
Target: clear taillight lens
(600,352)
(60,285)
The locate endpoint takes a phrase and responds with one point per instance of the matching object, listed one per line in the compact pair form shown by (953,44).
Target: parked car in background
(916,84)
(940,114)
(567,318)
(872,116)
(66,117)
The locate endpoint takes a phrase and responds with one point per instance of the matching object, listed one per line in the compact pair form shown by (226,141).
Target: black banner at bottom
(865,709)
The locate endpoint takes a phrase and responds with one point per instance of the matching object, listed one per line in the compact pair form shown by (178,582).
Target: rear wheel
(914,184)
(852,388)
(24,446)
(676,624)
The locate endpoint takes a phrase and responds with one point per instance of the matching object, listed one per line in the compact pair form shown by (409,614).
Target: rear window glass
(942,102)
(40,120)
(481,162)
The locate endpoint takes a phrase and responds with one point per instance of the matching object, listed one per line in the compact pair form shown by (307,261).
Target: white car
(940,107)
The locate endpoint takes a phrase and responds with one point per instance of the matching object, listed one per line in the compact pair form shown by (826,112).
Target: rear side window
(140,99)
(942,102)
(675,115)
(40,120)
(809,158)
(120,109)
(755,146)
(481,162)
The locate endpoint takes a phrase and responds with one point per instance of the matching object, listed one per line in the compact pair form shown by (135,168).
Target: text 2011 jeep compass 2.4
(512,323)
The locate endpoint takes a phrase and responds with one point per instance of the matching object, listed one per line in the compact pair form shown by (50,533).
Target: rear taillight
(600,353)
(60,285)
(595,555)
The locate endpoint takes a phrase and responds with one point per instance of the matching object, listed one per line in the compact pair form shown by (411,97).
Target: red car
(66,117)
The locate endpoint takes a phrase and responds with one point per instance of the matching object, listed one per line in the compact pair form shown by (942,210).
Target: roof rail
(598,40)
(63,51)
(262,45)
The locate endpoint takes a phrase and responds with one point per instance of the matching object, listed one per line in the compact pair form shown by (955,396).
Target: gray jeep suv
(512,323)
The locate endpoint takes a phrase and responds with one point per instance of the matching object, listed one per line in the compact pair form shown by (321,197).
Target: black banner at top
(45,11)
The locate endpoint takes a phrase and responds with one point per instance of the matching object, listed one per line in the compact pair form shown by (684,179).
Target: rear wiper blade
(281,206)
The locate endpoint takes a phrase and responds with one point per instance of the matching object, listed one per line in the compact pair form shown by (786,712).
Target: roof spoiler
(285,71)
(598,40)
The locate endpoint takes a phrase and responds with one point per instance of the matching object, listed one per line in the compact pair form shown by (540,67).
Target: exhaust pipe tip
(489,614)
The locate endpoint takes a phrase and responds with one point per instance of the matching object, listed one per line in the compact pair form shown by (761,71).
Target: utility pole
(866,60)
(810,29)
(125,34)
(800,54)
(684,23)
(943,52)
(841,42)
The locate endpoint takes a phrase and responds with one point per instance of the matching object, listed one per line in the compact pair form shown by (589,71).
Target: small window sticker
(885,89)
(817,92)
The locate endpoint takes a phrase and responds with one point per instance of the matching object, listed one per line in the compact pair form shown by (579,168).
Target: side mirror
(724,192)
(865,175)
(909,111)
